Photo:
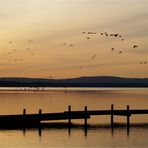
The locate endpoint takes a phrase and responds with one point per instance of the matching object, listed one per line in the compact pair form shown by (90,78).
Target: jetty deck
(32,120)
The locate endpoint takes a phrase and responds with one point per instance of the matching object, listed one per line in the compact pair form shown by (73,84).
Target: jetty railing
(25,120)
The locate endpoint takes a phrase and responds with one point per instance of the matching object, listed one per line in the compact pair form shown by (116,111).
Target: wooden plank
(66,115)
(42,117)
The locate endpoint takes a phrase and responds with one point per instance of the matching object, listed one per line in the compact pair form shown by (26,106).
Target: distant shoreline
(96,82)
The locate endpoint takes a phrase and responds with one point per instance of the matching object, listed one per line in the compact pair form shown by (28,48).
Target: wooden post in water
(128,117)
(69,115)
(85,116)
(112,115)
(24,111)
(40,111)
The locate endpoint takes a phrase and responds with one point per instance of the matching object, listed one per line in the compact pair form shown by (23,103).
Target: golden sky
(33,33)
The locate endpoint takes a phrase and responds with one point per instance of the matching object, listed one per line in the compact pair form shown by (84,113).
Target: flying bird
(120,52)
(93,56)
(28,49)
(90,33)
(71,44)
(14,50)
(9,52)
(112,49)
(106,34)
(115,35)
(29,41)
(111,34)
(135,46)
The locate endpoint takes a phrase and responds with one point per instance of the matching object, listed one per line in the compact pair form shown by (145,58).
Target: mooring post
(69,115)
(24,111)
(85,116)
(128,117)
(112,115)
(40,111)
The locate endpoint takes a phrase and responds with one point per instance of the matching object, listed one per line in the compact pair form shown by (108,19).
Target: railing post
(128,117)
(39,126)
(112,115)
(69,115)
(24,111)
(40,111)
(85,116)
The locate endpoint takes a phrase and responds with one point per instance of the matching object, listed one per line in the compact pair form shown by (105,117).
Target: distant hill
(98,81)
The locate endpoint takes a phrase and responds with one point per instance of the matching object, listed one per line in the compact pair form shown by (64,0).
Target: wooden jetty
(35,120)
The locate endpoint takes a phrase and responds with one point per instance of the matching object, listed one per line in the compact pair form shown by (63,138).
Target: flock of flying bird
(88,36)
(106,34)
(14,51)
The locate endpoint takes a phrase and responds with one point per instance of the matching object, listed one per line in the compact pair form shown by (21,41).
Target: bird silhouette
(111,34)
(120,52)
(115,35)
(71,45)
(112,49)
(106,34)
(14,50)
(93,56)
(135,46)
(89,32)
(88,38)
(17,60)
(29,41)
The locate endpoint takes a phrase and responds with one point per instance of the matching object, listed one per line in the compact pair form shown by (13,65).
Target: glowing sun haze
(43,38)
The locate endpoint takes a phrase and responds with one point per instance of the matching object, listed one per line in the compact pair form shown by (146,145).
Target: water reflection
(59,135)
(86,129)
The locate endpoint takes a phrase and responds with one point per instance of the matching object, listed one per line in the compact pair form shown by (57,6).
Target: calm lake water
(99,134)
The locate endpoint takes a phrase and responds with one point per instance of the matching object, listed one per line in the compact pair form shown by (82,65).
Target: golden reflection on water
(98,134)
(57,100)
(59,137)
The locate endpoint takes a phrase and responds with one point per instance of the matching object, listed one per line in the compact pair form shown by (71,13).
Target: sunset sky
(33,33)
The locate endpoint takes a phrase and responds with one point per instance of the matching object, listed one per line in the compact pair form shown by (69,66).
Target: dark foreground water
(99,134)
